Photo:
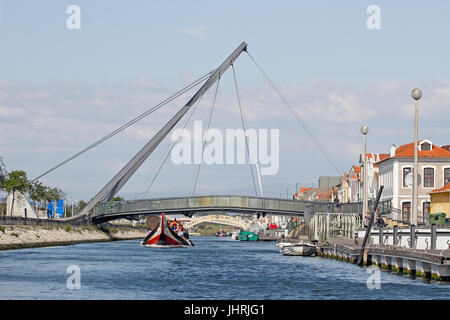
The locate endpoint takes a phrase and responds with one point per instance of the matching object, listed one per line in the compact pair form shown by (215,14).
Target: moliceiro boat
(164,237)
(297,248)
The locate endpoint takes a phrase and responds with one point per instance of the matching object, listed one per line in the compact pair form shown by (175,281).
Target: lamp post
(416,94)
(364,130)
(287,193)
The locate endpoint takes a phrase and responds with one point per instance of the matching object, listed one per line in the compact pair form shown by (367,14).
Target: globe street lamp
(364,130)
(416,94)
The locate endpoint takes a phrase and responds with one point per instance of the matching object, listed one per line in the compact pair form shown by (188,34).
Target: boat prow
(164,237)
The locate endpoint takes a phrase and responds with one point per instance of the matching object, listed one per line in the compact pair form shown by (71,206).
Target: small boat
(164,237)
(298,249)
(248,236)
(221,235)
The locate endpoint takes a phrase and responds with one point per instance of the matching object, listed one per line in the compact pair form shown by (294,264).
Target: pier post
(412,237)
(433,237)
(395,235)
(380,236)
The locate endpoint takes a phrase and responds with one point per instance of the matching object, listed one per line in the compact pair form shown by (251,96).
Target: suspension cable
(243,127)
(171,146)
(131,122)
(204,142)
(299,119)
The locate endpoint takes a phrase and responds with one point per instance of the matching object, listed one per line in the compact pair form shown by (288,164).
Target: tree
(38,192)
(2,172)
(117,199)
(81,205)
(17,180)
(54,194)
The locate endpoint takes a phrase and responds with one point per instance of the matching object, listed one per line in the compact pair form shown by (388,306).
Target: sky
(62,89)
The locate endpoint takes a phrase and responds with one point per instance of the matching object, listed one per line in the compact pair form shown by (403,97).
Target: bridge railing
(167,204)
(384,207)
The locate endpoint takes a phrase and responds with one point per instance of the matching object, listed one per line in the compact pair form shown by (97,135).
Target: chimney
(393,150)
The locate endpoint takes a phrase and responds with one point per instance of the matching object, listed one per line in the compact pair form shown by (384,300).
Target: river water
(216,268)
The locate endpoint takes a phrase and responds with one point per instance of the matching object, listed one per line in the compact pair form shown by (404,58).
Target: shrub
(2,229)
(68,228)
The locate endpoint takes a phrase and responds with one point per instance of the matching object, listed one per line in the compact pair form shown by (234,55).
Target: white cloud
(54,121)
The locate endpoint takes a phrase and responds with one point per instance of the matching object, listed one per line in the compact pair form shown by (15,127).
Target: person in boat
(186,233)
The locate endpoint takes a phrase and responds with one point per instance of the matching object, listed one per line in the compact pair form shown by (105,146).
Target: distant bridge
(189,206)
(219,219)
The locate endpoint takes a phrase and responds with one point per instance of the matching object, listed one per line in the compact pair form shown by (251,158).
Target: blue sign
(55,209)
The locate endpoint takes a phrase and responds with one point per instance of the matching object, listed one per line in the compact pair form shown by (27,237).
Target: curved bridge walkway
(191,205)
(219,219)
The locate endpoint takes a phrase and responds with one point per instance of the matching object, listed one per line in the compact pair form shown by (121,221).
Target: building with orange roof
(395,174)
(440,200)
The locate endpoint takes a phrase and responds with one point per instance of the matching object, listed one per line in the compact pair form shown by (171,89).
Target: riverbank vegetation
(210,229)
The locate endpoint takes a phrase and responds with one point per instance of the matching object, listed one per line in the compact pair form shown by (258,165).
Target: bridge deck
(191,205)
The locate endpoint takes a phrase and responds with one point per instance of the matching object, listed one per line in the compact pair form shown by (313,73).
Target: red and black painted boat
(164,237)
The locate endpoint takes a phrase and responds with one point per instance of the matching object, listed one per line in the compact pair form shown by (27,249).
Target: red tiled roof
(407,151)
(445,188)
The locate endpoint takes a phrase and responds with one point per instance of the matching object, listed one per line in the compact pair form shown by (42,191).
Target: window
(426,209)
(425,146)
(406,209)
(446,176)
(405,173)
(428,180)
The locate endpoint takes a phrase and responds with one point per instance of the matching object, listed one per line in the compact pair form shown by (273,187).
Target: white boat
(298,249)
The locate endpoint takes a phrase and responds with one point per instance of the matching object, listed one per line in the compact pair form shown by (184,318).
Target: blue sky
(61,89)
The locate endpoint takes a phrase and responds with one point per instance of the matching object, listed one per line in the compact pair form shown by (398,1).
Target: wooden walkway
(433,264)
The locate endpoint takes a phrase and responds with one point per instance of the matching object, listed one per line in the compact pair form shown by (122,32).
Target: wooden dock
(432,264)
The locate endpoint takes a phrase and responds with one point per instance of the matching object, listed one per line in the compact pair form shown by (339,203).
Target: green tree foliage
(54,194)
(81,205)
(38,192)
(2,172)
(17,180)
(117,199)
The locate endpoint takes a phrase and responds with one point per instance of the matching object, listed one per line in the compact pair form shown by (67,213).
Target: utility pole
(364,130)
(416,94)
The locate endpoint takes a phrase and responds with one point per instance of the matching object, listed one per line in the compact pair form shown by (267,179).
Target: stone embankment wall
(16,237)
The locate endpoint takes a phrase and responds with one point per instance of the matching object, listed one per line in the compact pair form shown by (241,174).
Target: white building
(396,177)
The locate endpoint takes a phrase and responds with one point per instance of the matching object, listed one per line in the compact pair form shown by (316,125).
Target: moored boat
(164,237)
(248,236)
(298,249)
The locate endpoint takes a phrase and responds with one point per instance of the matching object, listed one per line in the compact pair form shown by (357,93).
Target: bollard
(380,236)
(412,237)
(25,209)
(433,237)
(395,235)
